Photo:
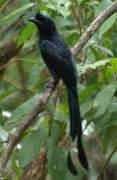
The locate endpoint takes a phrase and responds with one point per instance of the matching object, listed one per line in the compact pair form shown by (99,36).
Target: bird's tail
(76,129)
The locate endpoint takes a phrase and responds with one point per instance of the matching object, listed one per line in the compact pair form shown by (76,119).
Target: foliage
(25,76)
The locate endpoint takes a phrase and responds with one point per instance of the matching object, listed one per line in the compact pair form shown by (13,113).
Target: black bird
(60,63)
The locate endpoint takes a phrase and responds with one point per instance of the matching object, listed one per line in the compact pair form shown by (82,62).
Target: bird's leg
(51,84)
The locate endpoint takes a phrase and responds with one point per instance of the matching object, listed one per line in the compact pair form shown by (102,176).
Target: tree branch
(40,106)
(93,28)
(105,164)
(13,139)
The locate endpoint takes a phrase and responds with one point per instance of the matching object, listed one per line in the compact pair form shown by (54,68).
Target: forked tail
(76,129)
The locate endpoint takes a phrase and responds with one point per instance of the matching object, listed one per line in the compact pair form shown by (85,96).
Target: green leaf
(102,5)
(52,139)
(103,99)
(60,6)
(110,21)
(32,146)
(27,60)
(22,2)
(8,92)
(30,42)
(103,49)
(70,176)
(86,92)
(3,134)
(113,106)
(108,135)
(96,53)
(84,68)
(21,111)
(86,107)
(34,76)
(80,1)
(113,62)
(18,11)
(64,11)
(57,165)
(26,34)
(51,106)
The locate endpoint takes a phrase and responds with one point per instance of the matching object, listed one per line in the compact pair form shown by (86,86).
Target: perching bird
(60,63)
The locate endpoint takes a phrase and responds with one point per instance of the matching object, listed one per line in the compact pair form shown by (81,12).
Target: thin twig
(77,18)
(4,5)
(7,64)
(105,164)
(93,28)
(16,85)
(44,167)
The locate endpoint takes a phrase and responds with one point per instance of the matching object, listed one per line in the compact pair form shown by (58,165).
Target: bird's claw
(49,84)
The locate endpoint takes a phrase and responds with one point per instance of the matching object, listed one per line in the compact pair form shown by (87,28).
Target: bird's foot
(51,84)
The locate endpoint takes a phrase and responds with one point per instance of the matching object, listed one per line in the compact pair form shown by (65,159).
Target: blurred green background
(41,153)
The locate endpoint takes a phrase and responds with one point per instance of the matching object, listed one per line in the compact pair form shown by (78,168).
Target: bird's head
(44,23)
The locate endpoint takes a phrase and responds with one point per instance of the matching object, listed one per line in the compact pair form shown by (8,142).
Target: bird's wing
(62,65)
(57,55)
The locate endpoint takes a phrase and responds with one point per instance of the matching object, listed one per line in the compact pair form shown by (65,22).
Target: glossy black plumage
(59,60)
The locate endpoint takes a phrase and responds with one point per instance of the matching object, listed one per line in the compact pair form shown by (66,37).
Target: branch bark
(13,139)
(106,163)
(40,106)
(93,28)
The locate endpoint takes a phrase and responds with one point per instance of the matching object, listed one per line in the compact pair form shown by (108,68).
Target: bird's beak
(33,20)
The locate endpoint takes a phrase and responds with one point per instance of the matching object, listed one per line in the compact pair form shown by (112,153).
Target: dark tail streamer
(82,155)
(70,165)
(76,130)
